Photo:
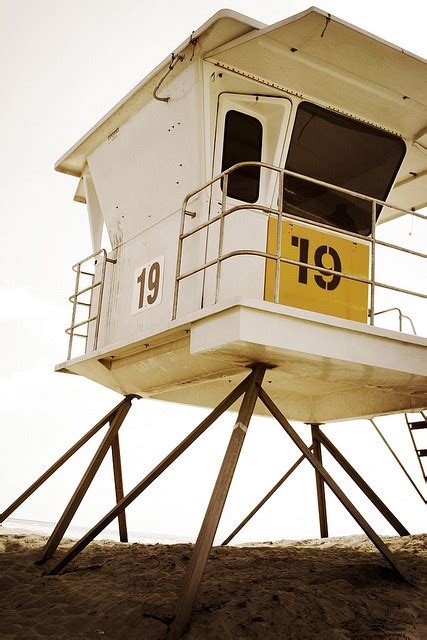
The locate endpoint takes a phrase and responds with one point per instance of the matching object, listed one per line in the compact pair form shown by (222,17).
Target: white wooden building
(194,289)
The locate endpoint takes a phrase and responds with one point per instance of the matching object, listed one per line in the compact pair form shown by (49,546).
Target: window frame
(245,174)
(355,125)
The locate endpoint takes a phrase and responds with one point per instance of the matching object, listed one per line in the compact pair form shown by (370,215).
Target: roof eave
(66,165)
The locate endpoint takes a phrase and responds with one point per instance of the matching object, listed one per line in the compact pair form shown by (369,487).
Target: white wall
(143,172)
(141,175)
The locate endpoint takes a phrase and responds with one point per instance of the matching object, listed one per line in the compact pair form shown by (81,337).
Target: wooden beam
(209,526)
(118,485)
(263,501)
(375,539)
(320,485)
(67,455)
(363,486)
(84,484)
(146,482)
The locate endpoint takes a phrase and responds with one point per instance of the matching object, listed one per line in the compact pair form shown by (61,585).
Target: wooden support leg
(363,486)
(70,510)
(382,548)
(118,484)
(263,501)
(67,455)
(146,482)
(320,486)
(209,526)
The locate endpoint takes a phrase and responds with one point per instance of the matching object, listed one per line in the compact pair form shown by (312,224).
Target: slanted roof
(320,57)
(223,26)
(316,56)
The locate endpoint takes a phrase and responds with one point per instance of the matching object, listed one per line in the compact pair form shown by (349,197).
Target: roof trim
(364,75)
(298,16)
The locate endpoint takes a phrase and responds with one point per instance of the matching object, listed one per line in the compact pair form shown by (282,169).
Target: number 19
(321,280)
(147,288)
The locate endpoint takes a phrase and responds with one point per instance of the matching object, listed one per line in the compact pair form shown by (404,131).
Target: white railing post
(373,223)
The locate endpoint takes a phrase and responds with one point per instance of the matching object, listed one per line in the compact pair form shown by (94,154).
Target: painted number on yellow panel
(313,290)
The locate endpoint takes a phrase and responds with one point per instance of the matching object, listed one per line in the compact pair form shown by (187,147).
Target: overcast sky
(63,66)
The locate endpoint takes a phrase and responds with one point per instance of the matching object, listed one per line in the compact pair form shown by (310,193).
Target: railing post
(373,223)
(279,238)
(101,293)
(221,237)
(179,259)
(73,314)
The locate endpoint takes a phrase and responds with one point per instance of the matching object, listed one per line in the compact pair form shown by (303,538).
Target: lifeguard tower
(243,186)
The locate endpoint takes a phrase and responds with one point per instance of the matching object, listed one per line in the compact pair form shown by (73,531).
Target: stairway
(416,426)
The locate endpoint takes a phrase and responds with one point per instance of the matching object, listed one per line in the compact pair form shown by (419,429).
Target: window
(242,143)
(336,149)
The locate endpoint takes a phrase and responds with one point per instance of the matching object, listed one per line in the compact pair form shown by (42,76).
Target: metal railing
(284,216)
(74,299)
(401,317)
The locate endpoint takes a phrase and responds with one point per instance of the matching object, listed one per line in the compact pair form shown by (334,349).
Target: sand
(336,589)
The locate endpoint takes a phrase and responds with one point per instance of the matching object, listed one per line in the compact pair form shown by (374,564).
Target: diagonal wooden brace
(146,482)
(67,455)
(262,502)
(320,485)
(80,492)
(363,486)
(363,524)
(200,555)
(118,485)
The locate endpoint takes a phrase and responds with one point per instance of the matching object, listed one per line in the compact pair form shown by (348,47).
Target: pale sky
(63,66)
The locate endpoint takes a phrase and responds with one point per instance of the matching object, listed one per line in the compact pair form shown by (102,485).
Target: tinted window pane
(242,143)
(336,149)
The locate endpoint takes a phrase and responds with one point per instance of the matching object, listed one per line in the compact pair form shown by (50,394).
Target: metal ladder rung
(420,424)
(80,324)
(100,260)
(85,290)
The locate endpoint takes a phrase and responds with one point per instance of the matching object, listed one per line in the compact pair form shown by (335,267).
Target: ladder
(93,306)
(418,425)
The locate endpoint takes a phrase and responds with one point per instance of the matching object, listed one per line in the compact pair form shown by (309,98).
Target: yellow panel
(309,289)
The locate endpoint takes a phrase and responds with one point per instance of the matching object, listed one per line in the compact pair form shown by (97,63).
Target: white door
(249,128)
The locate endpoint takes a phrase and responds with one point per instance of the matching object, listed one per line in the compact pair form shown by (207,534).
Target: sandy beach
(336,589)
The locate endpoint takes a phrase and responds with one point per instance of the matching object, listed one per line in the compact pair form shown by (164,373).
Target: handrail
(74,299)
(401,316)
(297,263)
(291,216)
(281,216)
(287,172)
